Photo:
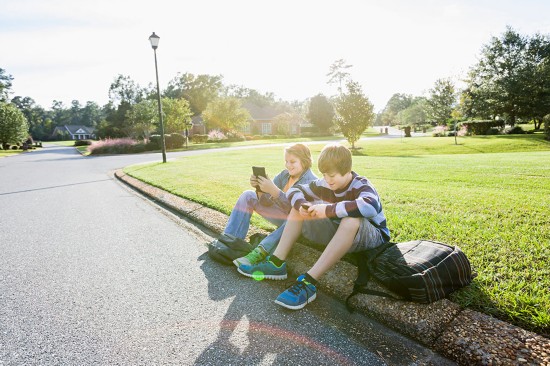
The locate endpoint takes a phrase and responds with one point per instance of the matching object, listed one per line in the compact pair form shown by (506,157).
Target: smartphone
(259,171)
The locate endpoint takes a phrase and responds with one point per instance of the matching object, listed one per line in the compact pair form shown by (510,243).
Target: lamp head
(154,39)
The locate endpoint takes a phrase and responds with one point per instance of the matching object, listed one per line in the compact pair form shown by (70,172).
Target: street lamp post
(154,39)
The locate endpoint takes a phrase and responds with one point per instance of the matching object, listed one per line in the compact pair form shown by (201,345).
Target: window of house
(266,128)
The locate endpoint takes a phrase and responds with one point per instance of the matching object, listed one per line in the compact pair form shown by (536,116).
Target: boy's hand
(318,211)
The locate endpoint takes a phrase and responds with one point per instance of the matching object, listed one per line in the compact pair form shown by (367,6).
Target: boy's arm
(366,202)
(301,193)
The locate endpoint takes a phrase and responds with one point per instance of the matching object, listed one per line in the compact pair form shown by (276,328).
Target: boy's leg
(291,233)
(304,290)
(338,246)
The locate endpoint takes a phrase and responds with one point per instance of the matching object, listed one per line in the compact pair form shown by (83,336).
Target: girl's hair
(334,158)
(302,152)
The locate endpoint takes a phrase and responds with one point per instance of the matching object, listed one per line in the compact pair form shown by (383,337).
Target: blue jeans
(239,220)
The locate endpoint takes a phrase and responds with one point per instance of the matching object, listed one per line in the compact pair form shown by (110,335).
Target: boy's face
(337,181)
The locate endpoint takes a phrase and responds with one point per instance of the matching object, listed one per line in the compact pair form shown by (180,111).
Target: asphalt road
(93,274)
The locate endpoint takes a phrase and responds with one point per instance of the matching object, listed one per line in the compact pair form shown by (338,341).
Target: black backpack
(228,247)
(421,271)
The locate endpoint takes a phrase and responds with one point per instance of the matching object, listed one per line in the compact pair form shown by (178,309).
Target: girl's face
(293,165)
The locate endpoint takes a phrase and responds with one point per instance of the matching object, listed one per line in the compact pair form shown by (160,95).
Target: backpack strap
(364,261)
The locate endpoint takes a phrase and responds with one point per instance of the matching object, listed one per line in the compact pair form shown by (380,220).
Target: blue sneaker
(264,270)
(298,295)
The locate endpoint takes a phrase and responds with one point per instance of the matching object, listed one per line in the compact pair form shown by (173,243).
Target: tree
(249,95)
(338,74)
(5,85)
(91,114)
(414,114)
(199,90)
(321,113)
(536,80)
(397,103)
(143,119)
(177,114)
(511,79)
(13,124)
(124,90)
(442,101)
(225,114)
(354,112)
(40,126)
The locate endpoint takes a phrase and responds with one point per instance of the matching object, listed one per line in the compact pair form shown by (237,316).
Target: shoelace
(299,286)
(255,256)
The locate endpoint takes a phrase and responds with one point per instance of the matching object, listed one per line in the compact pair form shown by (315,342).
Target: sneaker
(298,295)
(254,257)
(264,270)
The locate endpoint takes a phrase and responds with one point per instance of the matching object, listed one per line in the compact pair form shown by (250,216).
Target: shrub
(439,131)
(492,131)
(199,139)
(234,136)
(112,146)
(15,147)
(82,143)
(482,127)
(216,136)
(174,140)
(138,148)
(516,130)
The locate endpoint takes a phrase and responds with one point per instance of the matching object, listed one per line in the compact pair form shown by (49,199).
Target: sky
(73,50)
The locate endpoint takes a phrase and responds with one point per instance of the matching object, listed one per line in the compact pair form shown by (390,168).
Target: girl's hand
(253,181)
(267,186)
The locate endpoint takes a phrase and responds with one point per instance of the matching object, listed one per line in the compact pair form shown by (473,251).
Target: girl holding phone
(269,200)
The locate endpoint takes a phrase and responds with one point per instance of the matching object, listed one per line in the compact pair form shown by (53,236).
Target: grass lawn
(4,153)
(488,195)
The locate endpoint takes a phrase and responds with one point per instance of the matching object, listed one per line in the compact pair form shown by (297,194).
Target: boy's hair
(302,152)
(335,158)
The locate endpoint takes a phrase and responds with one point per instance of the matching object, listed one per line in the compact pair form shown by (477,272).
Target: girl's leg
(338,246)
(239,220)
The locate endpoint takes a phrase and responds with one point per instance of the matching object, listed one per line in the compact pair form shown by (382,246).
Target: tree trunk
(538,123)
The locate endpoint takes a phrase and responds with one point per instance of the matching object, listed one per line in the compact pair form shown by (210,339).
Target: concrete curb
(465,336)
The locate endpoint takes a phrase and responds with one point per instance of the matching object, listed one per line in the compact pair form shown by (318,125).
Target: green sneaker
(255,256)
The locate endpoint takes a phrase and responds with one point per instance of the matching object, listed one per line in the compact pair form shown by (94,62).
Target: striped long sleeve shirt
(358,199)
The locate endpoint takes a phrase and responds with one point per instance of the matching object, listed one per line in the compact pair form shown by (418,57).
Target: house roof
(259,113)
(79,129)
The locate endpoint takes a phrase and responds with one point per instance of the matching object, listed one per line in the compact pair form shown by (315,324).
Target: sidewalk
(465,336)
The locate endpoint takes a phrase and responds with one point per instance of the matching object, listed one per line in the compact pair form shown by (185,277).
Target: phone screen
(259,171)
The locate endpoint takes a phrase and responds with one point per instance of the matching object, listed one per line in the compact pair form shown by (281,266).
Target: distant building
(266,120)
(73,132)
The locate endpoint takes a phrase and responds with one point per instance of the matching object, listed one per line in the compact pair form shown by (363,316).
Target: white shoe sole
(265,277)
(297,307)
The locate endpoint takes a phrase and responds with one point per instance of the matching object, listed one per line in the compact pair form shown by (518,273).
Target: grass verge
(488,195)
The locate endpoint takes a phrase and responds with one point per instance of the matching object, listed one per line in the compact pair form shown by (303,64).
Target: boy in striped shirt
(342,210)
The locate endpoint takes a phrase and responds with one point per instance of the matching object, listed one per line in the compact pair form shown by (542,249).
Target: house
(268,120)
(264,120)
(74,132)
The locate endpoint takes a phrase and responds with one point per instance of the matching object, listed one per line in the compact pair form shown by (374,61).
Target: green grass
(488,195)
(4,153)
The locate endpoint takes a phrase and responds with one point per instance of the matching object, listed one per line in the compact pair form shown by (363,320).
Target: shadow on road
(261,343)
